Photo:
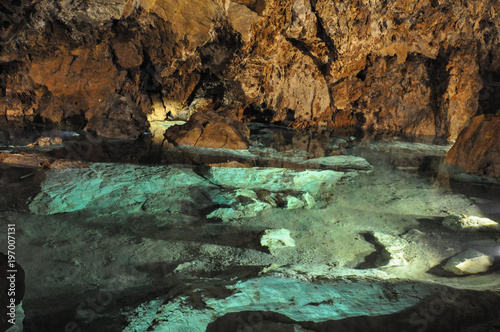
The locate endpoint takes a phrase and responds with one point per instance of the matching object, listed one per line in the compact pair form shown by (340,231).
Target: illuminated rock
(44,141)
(118,117)
(470,223)
(210,130)
(277,239)
(121,189)
(470,261)
(276,179)
(477,149)
(328,300)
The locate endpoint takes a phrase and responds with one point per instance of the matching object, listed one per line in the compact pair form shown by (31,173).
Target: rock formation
(210,130)
(477,149)
(415,66)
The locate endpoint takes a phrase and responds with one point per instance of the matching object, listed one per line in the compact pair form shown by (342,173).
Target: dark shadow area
(200,232)
(379,257)
(17,185)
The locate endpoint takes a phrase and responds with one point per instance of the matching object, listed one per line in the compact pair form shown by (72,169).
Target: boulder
(477,149)
(210,130)
(468,262)
(277,239)
(25,160)
(44,141)
(118,117)
(470,223)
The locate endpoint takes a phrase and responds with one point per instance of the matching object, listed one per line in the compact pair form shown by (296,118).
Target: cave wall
(412,66)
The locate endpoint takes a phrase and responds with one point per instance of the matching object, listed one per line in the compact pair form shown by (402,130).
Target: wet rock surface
(117,117)
(477,149)
(210,130)
(469,262)
(471,223)
(163,238)
(421,68)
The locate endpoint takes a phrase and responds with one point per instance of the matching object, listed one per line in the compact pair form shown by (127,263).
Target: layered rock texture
(414,66)
(210,130)
(477,149)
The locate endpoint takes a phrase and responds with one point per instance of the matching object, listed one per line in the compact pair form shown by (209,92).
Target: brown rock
(128,54)
(410,66)
(66,164)
(45,141)
(210,130)
(461,99)
(25,160)
(76,78)
(401,66)
(118,117)
(477,148)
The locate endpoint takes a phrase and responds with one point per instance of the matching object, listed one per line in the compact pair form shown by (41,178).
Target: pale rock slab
(293,202)
(395,247)
(344,163)
(277,239)
(468,262)
(470,223)
(329,300)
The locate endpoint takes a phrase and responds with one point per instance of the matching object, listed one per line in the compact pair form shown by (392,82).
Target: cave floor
(115,246)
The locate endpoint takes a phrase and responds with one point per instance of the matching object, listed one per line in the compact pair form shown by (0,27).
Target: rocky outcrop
(477,149)
(117,117)
(210,130)
(69,58)
(411,66)
(468,262)
(221,193)
(418,67)
(470,223)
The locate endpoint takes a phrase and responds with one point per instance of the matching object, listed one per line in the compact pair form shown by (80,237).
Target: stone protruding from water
(277,239)
(470,223)
(468,262)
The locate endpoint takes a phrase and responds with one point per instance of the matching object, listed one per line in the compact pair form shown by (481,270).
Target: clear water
(136,236)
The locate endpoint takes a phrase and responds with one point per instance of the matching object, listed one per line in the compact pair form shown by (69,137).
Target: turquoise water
(132,236)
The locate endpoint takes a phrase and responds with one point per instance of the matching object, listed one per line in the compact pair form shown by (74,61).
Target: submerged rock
(118,117)
(470,223)
(277,239)
(343,163)
(125,188)
(276,187)
(468,262)
(477,149)
(297,299)
(276,179)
